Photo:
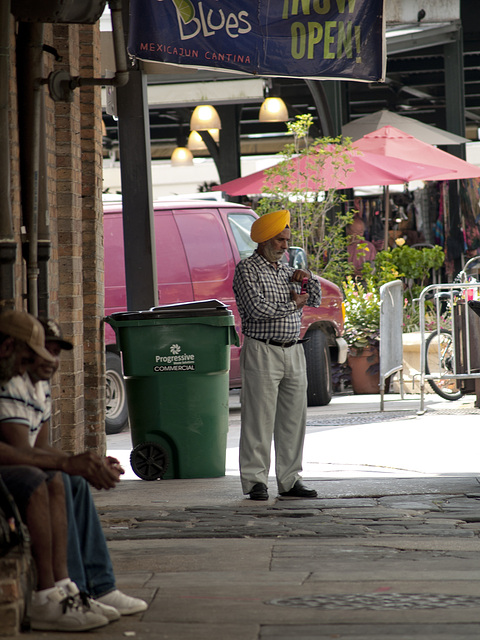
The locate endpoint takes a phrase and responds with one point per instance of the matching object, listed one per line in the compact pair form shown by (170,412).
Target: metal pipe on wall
(121,75)
(8,247)
(44,243)
(30,35)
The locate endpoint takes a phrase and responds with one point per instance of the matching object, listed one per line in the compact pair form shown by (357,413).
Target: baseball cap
(53,333)
(23,326)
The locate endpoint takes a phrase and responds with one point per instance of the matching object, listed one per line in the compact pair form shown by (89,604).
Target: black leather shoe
(259,491)
(299,490)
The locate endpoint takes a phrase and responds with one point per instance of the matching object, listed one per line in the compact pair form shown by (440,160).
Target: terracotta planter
(359,363)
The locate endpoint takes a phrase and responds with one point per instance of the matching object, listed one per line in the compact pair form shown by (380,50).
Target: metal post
(229,146)
(386,206)
(421,307)
(455,91)
(333,91)
(135,168)
(322,106)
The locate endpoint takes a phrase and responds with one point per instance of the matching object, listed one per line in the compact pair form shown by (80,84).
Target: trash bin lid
(194,309)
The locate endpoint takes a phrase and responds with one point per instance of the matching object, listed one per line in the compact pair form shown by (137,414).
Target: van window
(208,253)
(240,224)
(174,282)
(113,242)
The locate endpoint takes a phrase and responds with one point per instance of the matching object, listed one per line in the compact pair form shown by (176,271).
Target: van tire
(116,414)
(319,369)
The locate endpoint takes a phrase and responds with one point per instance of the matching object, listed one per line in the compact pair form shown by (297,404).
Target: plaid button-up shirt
(263,299)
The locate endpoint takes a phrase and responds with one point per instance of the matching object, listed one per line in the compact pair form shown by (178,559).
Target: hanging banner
(338,39)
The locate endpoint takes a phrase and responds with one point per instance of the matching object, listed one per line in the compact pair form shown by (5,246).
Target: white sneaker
(110,613)
(106,610)
(60,612)
(126,605)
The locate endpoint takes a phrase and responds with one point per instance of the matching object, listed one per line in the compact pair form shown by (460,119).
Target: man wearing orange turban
(269,225)
(274,379)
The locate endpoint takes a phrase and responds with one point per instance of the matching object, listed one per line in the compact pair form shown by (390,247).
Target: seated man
(85,531)
(37,494)
(24,422)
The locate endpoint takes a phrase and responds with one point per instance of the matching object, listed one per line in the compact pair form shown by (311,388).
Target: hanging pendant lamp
(205,117)
(273,110)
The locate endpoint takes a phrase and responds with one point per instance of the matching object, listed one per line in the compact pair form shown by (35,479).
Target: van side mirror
(297,258)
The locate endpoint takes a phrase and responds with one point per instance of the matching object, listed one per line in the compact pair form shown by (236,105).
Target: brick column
(68,156)
(92,214)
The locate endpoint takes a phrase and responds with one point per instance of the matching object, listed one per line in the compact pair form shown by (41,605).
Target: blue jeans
(89,564)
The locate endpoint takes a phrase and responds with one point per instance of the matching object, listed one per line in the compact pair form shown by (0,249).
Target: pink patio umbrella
(363,169)
(393,143)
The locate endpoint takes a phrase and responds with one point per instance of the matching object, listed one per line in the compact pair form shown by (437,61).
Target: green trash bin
(176,362)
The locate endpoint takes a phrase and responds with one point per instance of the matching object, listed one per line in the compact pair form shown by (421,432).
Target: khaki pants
(274,403)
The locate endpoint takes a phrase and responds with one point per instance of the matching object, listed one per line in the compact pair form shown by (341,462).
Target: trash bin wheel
(149,461)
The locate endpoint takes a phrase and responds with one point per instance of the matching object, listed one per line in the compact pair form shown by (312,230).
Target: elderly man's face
(274,248)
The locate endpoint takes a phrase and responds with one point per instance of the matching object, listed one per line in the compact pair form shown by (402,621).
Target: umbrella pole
(386,204)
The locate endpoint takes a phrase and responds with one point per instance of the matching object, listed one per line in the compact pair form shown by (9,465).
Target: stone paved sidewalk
(439,514)
(370,559)
(379,557)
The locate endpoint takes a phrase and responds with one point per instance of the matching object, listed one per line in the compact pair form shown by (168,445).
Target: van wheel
(116,416)
(319,369)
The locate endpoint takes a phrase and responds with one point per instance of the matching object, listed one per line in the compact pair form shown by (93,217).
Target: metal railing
(453,317)
(391,346)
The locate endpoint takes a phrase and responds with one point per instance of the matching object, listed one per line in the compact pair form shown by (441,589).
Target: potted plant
(362,333)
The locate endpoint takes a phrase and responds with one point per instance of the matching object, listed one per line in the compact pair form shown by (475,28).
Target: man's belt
(276,343)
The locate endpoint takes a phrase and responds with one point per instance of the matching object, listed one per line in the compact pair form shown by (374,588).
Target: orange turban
(270,225)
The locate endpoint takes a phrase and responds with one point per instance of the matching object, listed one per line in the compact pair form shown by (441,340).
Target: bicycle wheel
(439,361)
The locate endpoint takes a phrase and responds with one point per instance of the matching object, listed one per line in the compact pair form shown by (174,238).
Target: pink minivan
(198,243)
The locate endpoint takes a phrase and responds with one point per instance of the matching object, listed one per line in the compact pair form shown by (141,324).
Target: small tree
(318,214)
(413,265)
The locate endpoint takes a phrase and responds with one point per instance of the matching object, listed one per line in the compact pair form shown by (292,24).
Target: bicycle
(439,355)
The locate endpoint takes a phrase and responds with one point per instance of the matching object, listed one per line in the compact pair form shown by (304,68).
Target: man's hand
(115,466)
(96,470)
(299,275)
(300,299)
